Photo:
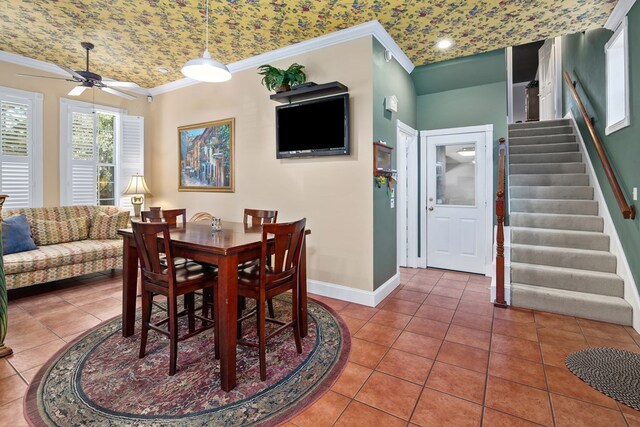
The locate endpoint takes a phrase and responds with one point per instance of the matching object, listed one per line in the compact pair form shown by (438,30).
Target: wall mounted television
(318,127)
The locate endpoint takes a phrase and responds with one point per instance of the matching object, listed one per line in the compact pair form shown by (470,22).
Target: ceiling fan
(87,79)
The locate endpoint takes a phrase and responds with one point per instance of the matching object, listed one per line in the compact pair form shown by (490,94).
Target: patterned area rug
(98,380)
(611,371)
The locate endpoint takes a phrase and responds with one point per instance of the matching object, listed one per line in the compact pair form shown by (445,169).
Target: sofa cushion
(105,226)
(62,254)
(52,232)
(16,235)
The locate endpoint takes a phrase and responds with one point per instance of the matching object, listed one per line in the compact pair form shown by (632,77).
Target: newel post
(4,303)
(500,211)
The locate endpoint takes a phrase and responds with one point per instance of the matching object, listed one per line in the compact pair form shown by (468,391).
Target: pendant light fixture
(206,69)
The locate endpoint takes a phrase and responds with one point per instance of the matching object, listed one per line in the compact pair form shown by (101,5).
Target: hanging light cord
(207,29)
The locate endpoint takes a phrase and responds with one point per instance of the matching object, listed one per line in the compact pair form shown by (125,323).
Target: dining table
(226,248)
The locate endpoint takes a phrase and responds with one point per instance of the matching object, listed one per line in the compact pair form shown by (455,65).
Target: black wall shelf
(309,92)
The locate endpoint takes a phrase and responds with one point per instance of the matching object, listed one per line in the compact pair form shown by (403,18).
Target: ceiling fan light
(467,152)
(206,69)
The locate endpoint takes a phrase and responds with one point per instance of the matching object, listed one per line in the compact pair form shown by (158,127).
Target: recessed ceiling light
(163,70)
(444,44)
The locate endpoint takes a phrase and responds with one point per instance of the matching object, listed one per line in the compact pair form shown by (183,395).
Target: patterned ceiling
(134,38)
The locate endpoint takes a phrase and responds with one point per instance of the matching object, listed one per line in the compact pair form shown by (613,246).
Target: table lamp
(137,188)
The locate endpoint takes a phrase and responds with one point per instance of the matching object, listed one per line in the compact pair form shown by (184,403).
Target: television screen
(319,127)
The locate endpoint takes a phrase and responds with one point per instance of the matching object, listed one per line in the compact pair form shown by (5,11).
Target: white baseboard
(358,296)
(507,265)
(622,269)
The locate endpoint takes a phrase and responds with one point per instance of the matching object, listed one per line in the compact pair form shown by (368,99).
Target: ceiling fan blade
(78,90)
(117,93)
(75,75)
(115,83)
(44,77)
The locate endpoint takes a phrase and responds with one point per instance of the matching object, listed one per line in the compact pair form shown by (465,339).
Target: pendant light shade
(206,69)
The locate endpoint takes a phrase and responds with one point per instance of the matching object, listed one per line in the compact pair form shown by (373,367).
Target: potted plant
(282,80)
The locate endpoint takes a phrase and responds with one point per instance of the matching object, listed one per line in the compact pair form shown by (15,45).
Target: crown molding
(619,12)
(371,28)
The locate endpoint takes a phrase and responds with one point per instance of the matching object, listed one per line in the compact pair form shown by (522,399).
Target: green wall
(484,103)
(389,78)
(583,57)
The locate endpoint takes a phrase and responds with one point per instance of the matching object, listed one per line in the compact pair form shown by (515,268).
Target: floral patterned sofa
(71,240)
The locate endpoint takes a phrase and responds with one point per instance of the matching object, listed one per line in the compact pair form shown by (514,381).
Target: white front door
(456,202)
(406,191)
(547,79)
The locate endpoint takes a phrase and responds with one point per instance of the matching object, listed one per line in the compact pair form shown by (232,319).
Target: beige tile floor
(434,353)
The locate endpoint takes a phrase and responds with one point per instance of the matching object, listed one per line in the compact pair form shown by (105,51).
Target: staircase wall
(583,57)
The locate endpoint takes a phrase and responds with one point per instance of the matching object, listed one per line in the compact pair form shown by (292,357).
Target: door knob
(430,208)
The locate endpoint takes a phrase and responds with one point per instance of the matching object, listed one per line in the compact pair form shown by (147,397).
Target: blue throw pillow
(16,235)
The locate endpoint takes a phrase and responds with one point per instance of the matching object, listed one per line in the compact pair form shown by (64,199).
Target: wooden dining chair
(170,216)
(252,217)
(272,280)
(171,281)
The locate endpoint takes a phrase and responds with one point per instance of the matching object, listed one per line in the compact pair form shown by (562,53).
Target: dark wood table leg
(227,307)
(129,286)
(302,289)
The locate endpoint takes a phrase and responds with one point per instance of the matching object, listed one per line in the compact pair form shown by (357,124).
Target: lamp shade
(206,69)
(137,185)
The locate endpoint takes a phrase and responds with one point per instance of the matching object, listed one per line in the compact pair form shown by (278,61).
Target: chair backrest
(170,216)
(146,236)
(259,217)
(288,238)
(201,216)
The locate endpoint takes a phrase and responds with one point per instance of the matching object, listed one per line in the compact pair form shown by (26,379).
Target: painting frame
(204,165)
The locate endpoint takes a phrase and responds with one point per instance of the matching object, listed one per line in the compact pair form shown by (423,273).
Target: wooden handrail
(628,211)
(500,212)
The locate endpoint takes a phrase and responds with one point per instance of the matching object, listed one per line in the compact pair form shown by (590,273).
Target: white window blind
(79,154)
(131,154)
(21,148)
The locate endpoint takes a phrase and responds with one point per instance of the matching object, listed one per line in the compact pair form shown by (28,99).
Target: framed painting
(206,156)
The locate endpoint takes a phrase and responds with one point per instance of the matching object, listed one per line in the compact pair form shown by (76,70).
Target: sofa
(71,241)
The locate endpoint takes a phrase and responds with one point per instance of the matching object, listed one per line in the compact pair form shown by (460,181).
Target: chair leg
(262,347)
(189,302)
(205,302)
(270,306)
(295,320)
(173,333)
(147,300)
(241,303)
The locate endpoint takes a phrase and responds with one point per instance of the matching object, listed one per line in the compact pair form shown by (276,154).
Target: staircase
(560,259)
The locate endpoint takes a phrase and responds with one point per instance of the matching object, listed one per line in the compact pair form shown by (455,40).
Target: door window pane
(456,174)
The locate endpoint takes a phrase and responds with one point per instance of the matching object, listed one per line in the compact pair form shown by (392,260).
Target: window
(21,148)
(101,148)
(617,77)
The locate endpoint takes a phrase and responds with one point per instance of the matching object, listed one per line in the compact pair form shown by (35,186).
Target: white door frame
(488,130)
(407,196)
(509,60)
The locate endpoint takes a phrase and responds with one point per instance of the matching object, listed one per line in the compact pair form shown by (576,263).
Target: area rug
(98,380)
(611,371)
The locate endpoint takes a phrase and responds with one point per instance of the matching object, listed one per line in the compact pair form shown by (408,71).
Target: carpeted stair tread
(558,192)
(585,259)
(580,207)
(565,147)
(540,124)
(556,221)
(560,238)
(570,157)
(571,279)
(591,306)
(546,168)
(564,179)
(541,139)
(534,131)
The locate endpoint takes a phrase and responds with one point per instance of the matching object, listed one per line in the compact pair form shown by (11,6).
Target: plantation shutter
(131,159)
(20,148)
(83,159)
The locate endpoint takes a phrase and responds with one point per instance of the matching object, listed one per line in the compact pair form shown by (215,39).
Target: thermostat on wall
(391,103)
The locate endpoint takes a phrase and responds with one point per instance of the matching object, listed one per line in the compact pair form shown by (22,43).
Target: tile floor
(434,353)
